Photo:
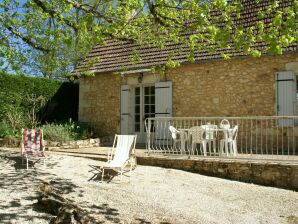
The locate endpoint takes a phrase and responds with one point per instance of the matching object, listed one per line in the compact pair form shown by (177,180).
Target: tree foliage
(50,36)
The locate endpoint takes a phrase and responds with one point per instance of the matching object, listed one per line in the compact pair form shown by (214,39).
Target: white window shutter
(163,108)
(163,99)
(285,95)
(125,109)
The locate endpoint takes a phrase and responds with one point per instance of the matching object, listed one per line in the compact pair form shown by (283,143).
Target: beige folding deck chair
(121,154)
(32,145)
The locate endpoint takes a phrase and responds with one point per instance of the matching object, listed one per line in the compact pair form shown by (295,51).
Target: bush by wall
(66,131)
(61,98)
(14,89)
(19,94)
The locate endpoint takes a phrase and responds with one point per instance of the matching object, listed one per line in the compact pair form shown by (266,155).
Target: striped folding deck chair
(32,145)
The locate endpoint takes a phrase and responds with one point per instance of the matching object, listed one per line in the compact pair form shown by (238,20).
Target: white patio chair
(121,154)
(179,138)
(32,145)
(196,136)
(225,124)
(229,142)
(211,133)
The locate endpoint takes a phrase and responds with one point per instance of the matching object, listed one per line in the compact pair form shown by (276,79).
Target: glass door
(144,107)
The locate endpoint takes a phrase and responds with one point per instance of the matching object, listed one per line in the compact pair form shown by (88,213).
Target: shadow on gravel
(18,164)
(21,188)
(143,221)
(97,172)
(16,207)
(109,174)
(110,214)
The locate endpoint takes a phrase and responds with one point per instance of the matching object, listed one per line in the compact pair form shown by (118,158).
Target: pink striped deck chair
(32,145)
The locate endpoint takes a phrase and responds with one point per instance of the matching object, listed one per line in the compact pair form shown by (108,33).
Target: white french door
(141,102)
(144,107)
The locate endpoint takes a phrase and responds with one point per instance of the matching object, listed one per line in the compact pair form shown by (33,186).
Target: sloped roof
(116,55)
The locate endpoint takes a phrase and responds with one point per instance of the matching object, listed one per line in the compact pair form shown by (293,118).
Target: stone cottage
(118,101)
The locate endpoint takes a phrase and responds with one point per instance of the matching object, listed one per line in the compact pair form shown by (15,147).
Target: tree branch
(158,17)
(87,8)
(27,40)
(55,15)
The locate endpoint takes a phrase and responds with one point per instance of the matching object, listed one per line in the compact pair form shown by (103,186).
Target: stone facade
(237,87)
(99,102)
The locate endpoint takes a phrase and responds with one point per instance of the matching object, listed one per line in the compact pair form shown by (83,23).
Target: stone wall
(99,102)
(283,175)
(238,87)
(75,144)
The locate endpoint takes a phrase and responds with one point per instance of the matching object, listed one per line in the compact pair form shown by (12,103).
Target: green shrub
(14,90)
(5,130)
(29,101)
(66,131)
(56,132)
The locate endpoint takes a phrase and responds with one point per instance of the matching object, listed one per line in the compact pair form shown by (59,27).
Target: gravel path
(151,195)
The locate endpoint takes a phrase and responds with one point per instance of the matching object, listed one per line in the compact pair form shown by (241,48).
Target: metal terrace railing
(264,137)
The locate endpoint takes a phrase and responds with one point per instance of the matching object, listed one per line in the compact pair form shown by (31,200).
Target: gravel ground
(151,195)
